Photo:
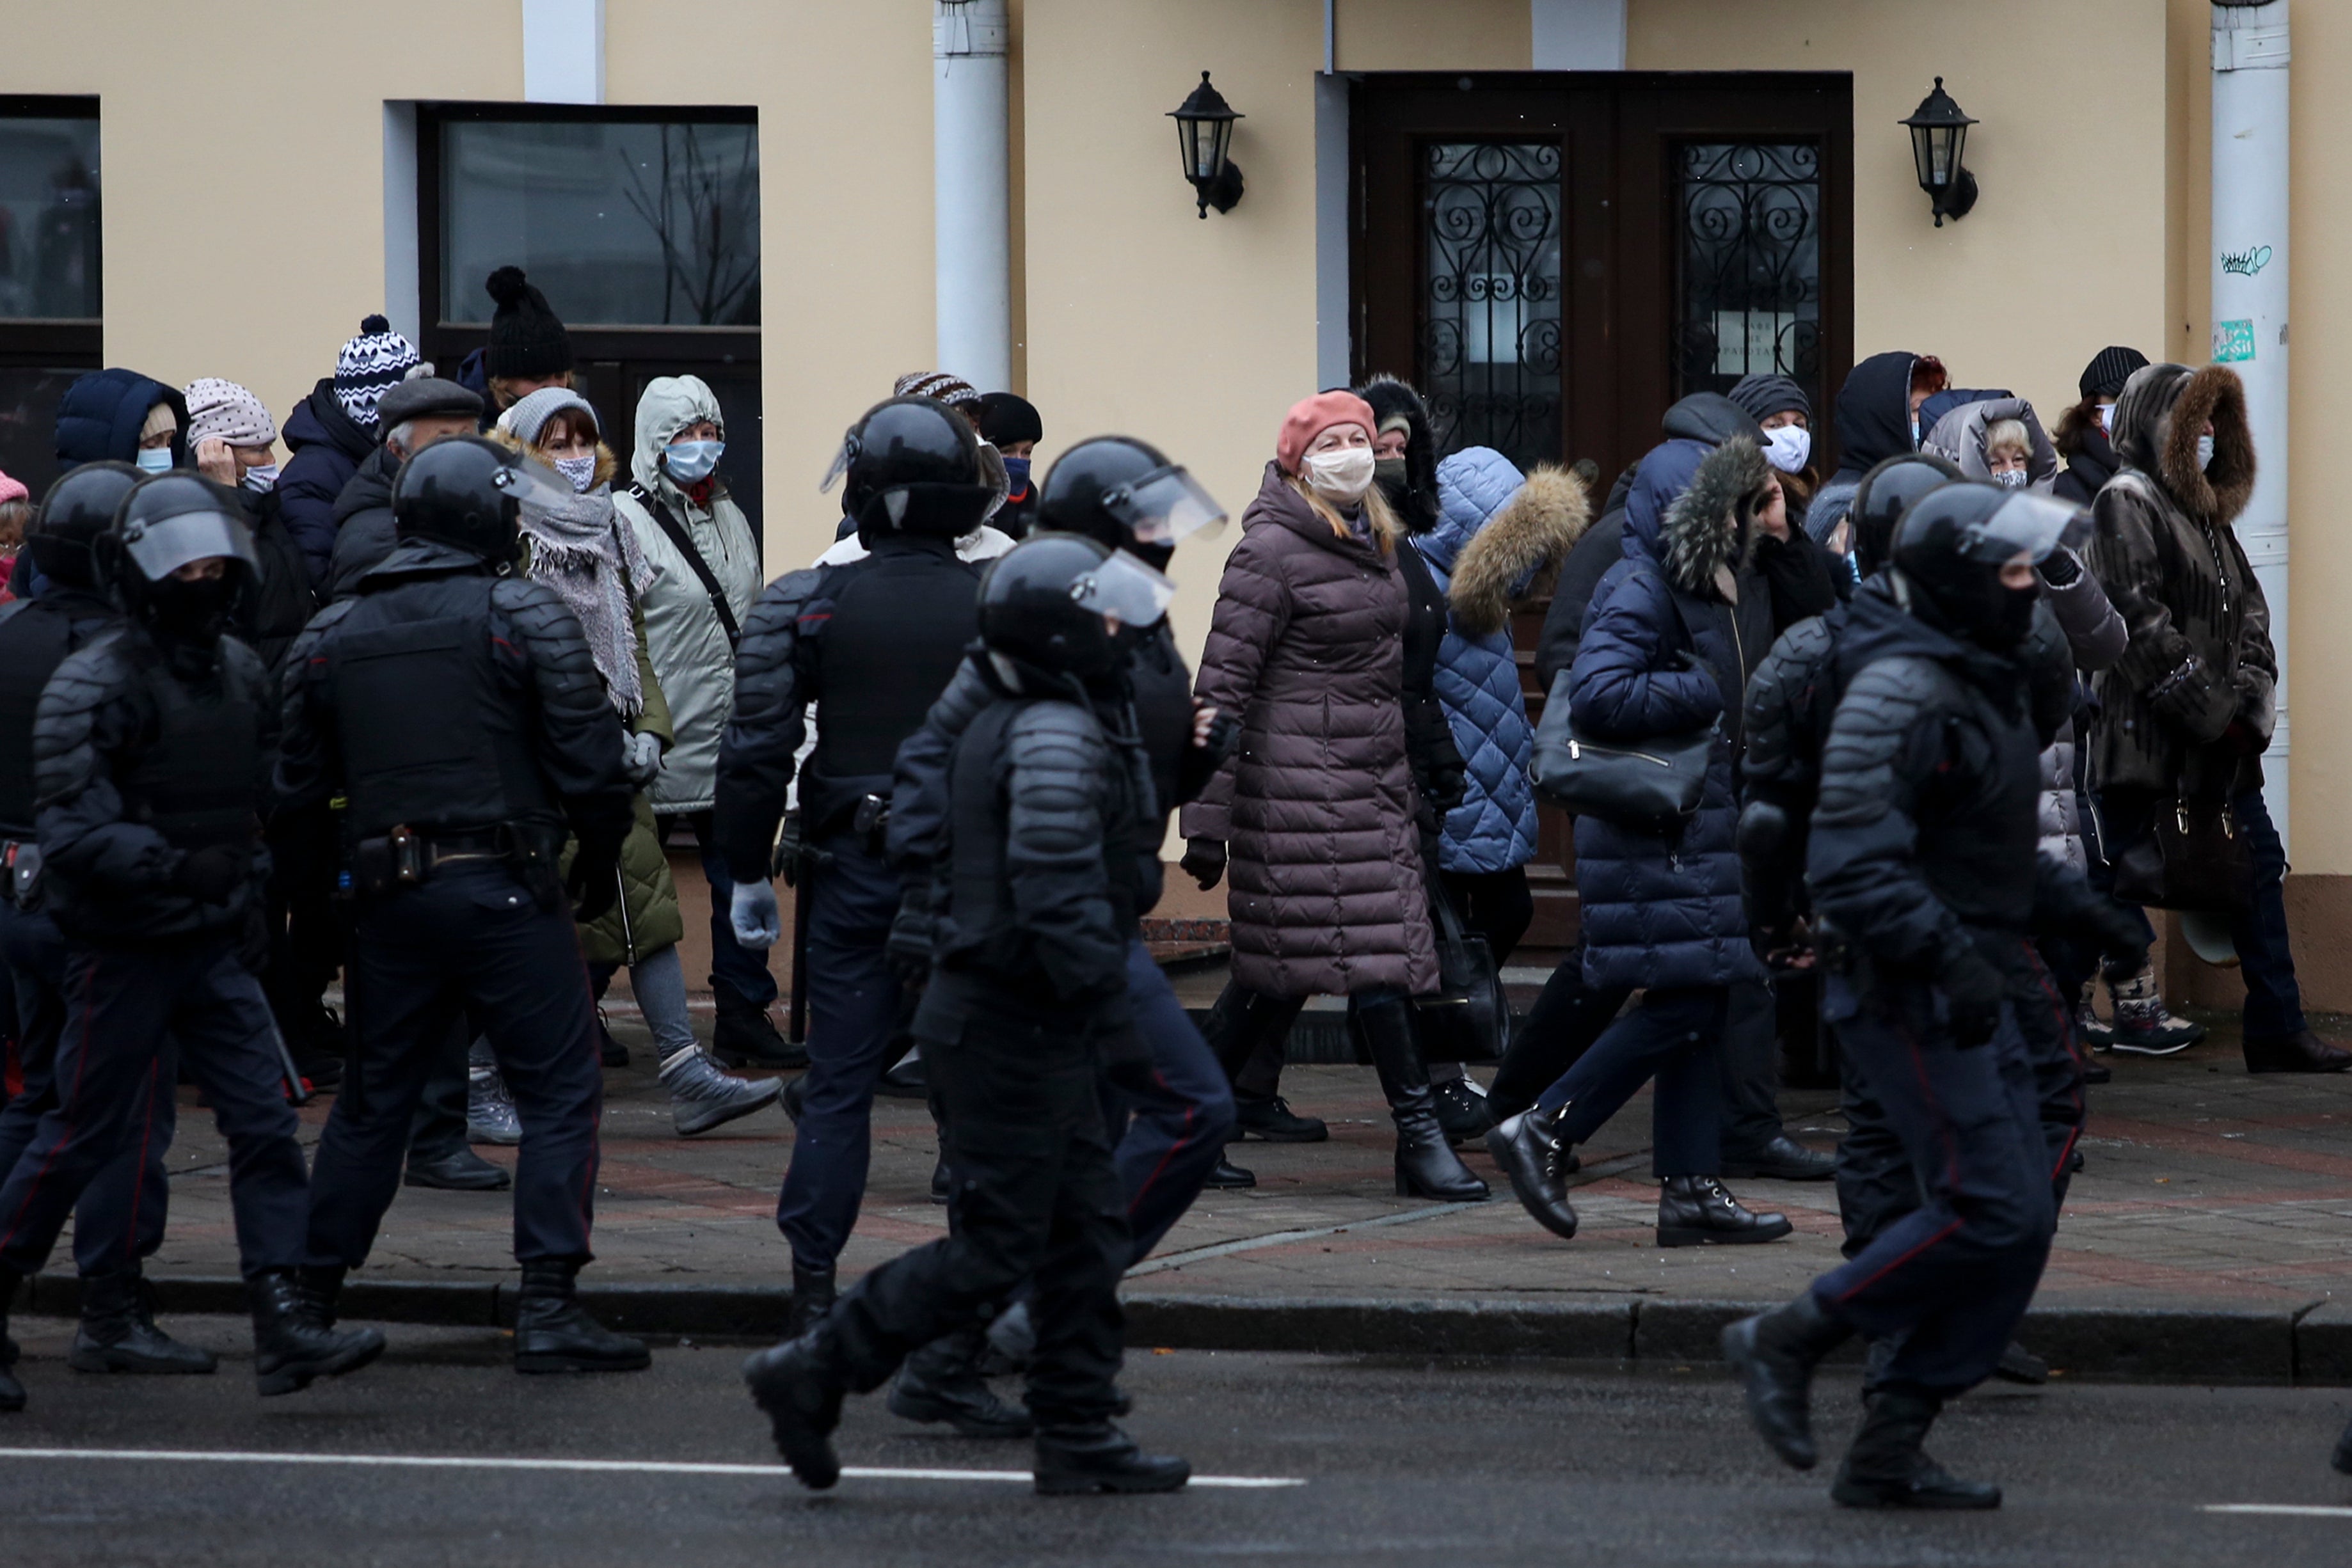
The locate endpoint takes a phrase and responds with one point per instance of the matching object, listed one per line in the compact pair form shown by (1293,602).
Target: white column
(1333,337)
(403,302)
(971,203)
(563,51)
(2250,299)
(1580,35)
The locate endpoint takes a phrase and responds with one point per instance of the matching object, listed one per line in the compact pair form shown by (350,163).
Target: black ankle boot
(1695,1210)
(1532,1154)
(1099,1456)
(1773,1355)
(11,1393)
(553,1332)
(811,1299)
(1426,1165)
(942,1382)
(799,1386)
(291,1346)
(1886,1468)
(118,1331)
(322,1285)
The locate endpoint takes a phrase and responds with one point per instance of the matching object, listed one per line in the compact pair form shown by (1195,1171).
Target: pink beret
(1312,417)
(13,490)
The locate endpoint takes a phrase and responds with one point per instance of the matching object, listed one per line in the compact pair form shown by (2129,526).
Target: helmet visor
(842,459)
(1124,587)
(2033,525)
(533,482)
(161,547)
(1165,507)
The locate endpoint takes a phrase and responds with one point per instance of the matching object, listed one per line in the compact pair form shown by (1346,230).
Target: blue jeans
(1177,1129)
(854,1003)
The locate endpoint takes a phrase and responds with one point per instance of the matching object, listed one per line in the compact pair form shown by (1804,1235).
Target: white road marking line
(2290,1510)
(635,1467)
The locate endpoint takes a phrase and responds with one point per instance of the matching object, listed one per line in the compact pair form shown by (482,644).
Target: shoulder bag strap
(684,544)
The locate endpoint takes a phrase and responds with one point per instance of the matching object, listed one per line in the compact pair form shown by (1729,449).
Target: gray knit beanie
(530,415)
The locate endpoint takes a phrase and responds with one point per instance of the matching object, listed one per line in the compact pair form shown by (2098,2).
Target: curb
(2309,1346)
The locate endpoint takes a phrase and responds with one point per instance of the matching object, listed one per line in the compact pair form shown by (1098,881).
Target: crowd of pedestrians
(425,708)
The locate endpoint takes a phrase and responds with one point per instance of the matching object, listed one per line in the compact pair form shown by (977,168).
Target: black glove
(210,874)
(909,945)
(595,880)
(1204,861)
(2121,941)
(1973,991)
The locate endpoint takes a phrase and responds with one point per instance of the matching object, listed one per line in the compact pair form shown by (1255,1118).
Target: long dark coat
(1316,804)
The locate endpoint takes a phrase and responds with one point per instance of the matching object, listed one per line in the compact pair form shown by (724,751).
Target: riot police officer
(1924,875)
(1171,1124)
(151,764)
(1051,819)
(120,1221)
(875,641)
(455,707)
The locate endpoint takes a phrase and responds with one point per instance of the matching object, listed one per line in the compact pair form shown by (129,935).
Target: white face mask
(1787,447)
(580,470)
(261,476)
(2010,479)
(2106,417)
(1343,473)
(2204,453)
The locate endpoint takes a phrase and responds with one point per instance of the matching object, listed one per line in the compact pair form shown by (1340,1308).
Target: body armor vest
(196,783)
(1980,828)
(429,739)
(1163,713)
(901,620)
(33,643)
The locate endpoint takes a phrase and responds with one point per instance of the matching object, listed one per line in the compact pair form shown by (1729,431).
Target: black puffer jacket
(543,667)
(328,447)
(362,523)
(2091,462)
(280,602)
(112,875)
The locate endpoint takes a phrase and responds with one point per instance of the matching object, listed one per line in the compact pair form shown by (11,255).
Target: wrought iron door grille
(1748,286)
(1490,349)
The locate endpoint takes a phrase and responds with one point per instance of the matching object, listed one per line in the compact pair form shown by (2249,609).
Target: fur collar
(1516,556)
(2217,494)
(1707,532)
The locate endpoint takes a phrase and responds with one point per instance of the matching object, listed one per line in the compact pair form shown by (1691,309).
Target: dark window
(640,226)
(1491,354)
(49,273)
(1748,290)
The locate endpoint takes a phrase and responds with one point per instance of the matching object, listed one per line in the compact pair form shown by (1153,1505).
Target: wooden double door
(1555,257)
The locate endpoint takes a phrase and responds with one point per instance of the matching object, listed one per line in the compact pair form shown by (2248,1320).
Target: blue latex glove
(753,913)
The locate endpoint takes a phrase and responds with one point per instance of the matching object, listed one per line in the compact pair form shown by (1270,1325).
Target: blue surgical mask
(1017,470)
(690,462)
(155,460)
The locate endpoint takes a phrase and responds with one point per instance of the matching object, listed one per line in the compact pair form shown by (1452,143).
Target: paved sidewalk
(2210,1196)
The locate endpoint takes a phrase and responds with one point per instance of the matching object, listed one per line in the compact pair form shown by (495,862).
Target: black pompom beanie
(526,341)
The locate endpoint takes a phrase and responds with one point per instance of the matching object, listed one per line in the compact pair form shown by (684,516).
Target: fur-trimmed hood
(1503,553)
(1707,532)
(2157,420)
(1416,503)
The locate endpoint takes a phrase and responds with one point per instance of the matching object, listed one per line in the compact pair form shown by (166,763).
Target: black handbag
(1469,1018)
(1650,785)
(2193,856)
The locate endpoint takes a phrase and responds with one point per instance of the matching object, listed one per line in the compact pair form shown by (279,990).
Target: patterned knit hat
(225,409)
(378,357)
(940,387)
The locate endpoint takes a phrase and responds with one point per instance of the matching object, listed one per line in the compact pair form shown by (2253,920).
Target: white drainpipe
(971,203)
(2250,298)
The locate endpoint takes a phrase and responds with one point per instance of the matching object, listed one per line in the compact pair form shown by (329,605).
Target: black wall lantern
(1204,130)
(1939,132)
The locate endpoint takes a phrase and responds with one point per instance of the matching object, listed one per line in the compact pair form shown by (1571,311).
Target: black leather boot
(553,1332)
(2019,1364)
(118,1331)
(1695,1210)
(745,1035)
(1773,1355)
(1426,1165)
(1886,1468)
(1536,1158)
(1462,1110)
(322,1285)
(1099,1456)
(811,1299)
(942,1382)
(11,1393)
(291,1346)
(1229,1176)
(2301,1051)
(798,1385)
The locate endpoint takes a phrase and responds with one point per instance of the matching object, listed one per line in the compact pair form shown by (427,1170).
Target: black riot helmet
(1042,605)
(914,466)
(79,509)
(1125,494)
(1951,545)
(467,492)
(1886,493)
(169,521)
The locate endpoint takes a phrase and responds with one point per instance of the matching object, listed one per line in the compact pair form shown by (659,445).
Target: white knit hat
(225,409)
(378,357)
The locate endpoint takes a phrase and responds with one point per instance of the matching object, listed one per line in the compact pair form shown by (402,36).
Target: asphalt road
(1495,1462)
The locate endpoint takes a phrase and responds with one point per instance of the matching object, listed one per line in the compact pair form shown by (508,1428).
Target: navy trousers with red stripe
(1175,1127)
(124,1011)
(1950,1279)
(469,940)
(120,1221)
